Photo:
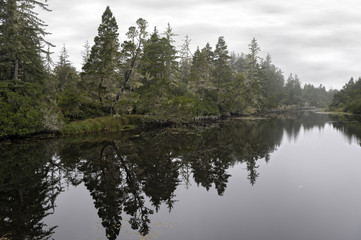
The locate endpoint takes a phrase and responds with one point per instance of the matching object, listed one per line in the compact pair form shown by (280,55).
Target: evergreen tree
(348,99)
(157,67)
(222,71)
(293,90)
(200,81)
(158,61)
(22,70)
(86,52)
(131,53)
(170,56)
(69,97)
(64,72)
(101,73)
(22,41)
(254,97)
(185,62)
(272,82)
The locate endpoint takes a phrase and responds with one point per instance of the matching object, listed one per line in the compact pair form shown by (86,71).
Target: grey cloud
(318,42)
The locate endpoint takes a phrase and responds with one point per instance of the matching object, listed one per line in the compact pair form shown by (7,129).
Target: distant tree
(272,83)
(200,79)
(348,99)
(185,62)
(222,72)
(222,69)
(64,71)
(293,90)
(252,71)
(86,52)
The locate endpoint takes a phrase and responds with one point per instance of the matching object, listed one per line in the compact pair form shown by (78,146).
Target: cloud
(317,39)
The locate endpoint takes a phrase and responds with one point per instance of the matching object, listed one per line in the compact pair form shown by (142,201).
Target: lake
(294,177)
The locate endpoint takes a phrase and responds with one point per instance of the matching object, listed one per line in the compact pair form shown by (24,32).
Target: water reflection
(29,185)
(121,172)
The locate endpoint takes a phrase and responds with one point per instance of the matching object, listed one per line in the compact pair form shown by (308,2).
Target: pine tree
(252,74)
(85,54)
(22,41)
(221,72)
(158,62)
(293,90)
(64,71)
(185,60)
(272,83)
(200,80)
(22,70)
(222,69)
(101,73)
(170,53)
(131,53)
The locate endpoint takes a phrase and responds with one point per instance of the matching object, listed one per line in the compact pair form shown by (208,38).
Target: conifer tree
(131,53)
(101,73)
(200,80)
(185,62)
(222,69)
(254,97)
(158,61)
(22,70)
(64,71)
(22,41)
(272,83)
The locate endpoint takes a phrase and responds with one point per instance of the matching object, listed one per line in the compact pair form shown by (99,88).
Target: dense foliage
(22,71)
(145,74)
(348,99)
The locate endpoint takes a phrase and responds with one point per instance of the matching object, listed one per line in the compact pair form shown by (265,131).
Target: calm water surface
(294,178)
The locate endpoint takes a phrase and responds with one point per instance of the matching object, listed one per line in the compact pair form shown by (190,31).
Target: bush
(19,115)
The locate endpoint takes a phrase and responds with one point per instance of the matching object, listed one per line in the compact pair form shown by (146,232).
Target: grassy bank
(103,124)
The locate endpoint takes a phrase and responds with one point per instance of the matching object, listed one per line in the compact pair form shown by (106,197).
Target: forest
(143,74)
(348,99)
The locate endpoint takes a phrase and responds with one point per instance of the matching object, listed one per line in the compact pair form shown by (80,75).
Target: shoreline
(117,124)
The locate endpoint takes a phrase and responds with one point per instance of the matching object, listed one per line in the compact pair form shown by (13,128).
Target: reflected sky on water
(285,178)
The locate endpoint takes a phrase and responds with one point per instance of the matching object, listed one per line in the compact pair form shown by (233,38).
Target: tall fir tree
(101,73)
(158,62)
(185,61)
(252,73)
(222,71)
(64,71)
(22,70)
(131,54)
(200,79)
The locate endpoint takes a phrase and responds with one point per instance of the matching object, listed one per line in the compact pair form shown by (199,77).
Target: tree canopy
(144,74)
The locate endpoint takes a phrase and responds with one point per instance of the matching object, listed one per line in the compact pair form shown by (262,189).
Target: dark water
(285,179)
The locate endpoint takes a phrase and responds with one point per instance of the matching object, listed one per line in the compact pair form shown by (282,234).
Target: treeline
(145,74)
(348,99)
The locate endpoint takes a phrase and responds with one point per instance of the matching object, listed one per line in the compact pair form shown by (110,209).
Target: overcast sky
(319,40)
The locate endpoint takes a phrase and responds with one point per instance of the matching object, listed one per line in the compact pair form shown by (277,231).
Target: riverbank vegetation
(348,99)
(142,73)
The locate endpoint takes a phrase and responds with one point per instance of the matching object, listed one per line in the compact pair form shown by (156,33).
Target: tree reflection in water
(122,172)
(29,185)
